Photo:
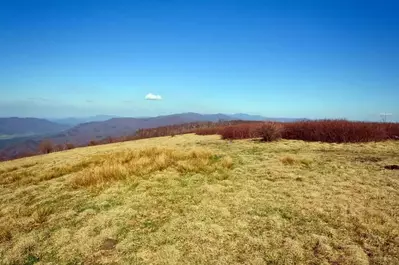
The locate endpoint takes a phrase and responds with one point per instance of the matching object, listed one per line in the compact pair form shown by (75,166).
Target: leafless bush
(270,131)
(46,146)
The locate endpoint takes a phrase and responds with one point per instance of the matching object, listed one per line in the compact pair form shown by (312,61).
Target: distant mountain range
(247,117)
(117,127)
(28,126)
(98,128)
(75,121)
(72,121)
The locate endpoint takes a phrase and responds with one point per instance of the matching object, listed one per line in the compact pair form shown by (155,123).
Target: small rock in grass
(109,244)
(392,167)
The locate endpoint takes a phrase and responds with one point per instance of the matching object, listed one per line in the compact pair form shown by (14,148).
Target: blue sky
(315,59)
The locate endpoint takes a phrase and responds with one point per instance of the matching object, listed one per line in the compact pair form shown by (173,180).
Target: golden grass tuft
(5,234)
(100,174)
(41,214)
(135,163)
(288,160)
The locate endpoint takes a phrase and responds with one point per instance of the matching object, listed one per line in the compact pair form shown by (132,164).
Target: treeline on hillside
(171,130)
(47,146)
(330,131)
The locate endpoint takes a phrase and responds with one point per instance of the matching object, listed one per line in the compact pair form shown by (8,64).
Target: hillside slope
(83,133)
(200,200)
(117,127)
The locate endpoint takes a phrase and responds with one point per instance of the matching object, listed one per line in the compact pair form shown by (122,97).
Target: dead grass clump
(21,252)
(288,160)
(323,252)
(27,174)
(227,162)
(41,214)
(101,174)
(5,234)
(8,170)
(306,162)
(10,178)
(371,159)
(353,254)
(120,166)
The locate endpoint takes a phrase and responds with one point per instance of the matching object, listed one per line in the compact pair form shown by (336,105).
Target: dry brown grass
(288,160)
(136,163)
(199,200)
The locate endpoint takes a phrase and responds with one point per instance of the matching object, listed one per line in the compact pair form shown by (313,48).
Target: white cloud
(151,96)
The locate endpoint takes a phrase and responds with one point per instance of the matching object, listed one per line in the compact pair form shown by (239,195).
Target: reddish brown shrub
(335,131)
(241,131)
(201,128)
(392,130)
(59,147)
(331,131)
(46,146)
(209,131)
(92,143)
(69,146)
(270,131)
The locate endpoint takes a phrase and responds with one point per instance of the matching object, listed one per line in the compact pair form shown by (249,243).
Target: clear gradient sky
(314,59)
